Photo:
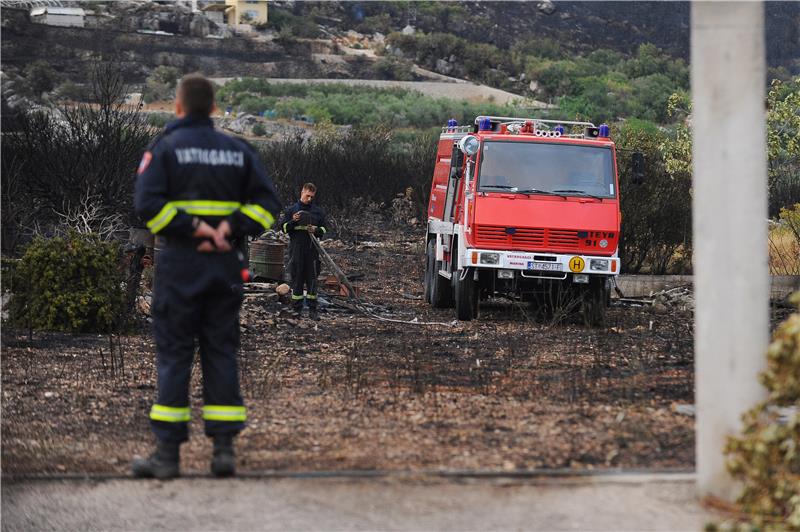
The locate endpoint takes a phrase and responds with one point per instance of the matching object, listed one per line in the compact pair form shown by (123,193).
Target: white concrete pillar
(728,74)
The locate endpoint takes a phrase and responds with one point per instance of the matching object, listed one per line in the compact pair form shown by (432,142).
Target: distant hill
(603,60)
(578,26)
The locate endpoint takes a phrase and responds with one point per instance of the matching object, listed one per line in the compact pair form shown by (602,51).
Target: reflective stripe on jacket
(191,169)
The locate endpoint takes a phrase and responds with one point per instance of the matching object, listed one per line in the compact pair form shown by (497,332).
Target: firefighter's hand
(221,235)
(296,216)
(206,247)
(203,230)
(218,237)
(312,229)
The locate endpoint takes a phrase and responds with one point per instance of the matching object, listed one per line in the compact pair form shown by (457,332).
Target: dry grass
(784,251)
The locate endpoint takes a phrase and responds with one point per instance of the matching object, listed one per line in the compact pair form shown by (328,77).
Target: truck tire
(440,292)
(593,306)
(466,295)
(430,264)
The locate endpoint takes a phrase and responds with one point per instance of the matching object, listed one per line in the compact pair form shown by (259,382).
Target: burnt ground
(349,392)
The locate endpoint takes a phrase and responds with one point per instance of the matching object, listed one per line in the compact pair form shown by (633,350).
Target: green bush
(72,91)
(381,22)
(40,77)
(391,67)
(783,144)
(161,83)
(656,234)
(159,120)
(72,283)
(259,130)
(52,162)
(352,105)
(370,164)
(766,457)
(603,85)
(289,25)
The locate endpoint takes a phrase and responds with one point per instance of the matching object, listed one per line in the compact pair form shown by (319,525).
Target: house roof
(218,7)
(73,11)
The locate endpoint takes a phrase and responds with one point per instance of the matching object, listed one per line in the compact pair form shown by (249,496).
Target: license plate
(545,266)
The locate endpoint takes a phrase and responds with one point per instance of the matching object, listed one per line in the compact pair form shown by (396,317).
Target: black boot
(162,464)
(296,310)
(223,463)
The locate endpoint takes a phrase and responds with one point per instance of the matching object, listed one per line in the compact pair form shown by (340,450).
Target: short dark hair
(311,187)
(196,93)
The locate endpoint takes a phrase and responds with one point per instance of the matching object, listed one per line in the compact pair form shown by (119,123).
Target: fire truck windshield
(546,168)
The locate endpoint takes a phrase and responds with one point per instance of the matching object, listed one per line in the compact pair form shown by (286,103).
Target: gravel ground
(627,503)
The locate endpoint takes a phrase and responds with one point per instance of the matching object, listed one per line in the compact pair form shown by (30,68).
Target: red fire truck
(523,208)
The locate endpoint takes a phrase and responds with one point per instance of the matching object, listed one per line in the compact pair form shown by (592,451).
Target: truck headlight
(598,265)
(490,258)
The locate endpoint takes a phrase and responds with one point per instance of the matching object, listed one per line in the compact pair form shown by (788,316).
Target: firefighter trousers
(197,296)
(305,269)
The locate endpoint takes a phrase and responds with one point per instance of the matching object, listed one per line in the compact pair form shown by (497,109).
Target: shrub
(391,67)
(259,130)
(159,120)
(72,91)
(40,77)
(766,457)
(784,243)
(70,283)
(52,161)
(161,83)
(366,163)
(381,23)
(289,25)
(656,214)
(352,105)
(783,144)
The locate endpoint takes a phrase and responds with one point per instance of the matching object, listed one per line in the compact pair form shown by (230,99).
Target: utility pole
(731,268)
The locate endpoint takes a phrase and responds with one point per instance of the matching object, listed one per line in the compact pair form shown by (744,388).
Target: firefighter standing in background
(199,189)
(300,222)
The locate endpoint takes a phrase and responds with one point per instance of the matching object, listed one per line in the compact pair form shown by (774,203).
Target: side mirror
(638,167)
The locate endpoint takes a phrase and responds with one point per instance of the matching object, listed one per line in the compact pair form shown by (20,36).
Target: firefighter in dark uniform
(199,189)
(300,221)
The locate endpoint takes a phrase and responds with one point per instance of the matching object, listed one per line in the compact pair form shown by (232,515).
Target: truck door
(456,163)
(456,172)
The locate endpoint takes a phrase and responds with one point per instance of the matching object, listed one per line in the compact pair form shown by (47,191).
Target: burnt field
(350,391)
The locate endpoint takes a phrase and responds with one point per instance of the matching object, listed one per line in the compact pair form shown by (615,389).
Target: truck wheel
(430,264)
(594,302)
(440,292)
(466,295)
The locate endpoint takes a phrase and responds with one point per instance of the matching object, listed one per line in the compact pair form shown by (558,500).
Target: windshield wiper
(545,192)
(504,187)
(581,192)
(526,191)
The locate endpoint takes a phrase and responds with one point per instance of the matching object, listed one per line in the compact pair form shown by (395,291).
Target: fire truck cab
(523,208)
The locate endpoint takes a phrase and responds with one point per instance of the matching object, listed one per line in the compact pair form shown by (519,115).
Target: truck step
(446,274)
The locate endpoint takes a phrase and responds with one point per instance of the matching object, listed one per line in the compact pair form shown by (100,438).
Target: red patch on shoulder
(146,158)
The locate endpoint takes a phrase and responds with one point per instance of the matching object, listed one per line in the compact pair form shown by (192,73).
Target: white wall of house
(59,16)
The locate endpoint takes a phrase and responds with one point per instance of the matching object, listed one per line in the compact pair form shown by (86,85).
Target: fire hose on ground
(359,305)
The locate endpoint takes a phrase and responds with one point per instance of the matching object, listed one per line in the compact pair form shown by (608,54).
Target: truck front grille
(493,236)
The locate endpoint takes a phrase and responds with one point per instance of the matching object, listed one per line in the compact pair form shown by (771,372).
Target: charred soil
(505,392)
